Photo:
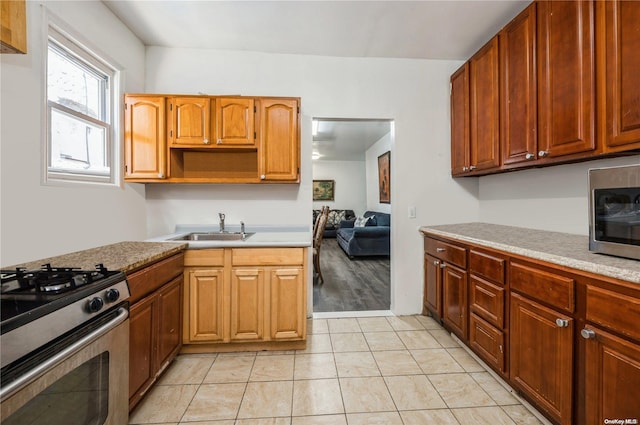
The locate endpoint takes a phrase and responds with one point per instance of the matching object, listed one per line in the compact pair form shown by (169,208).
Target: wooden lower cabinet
(155,331)
(247,304)
(205,322)
(568,341)
(247,295)
(541,352)
(454,299)
(433,286)
(288,301)
(612,369)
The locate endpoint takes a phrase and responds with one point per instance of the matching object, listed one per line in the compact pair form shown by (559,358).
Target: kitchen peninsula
(557,322)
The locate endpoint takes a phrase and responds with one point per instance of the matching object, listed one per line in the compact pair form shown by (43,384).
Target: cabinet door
(619,73)
(190,121)
(169,325)
(142,340)
(279,140)
(566,98)
(487,341)
(247,304)
(518,83)
(454,300)
(145,155)
(541,353)
(235,122)
(460,121)
(288,319)
(612,377)
(13,36)
(206,305)
(485,107)
(432,285)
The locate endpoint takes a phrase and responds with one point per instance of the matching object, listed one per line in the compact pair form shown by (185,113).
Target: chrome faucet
(242,232)
(221,215)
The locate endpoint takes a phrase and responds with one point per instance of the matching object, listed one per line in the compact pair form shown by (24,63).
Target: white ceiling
(428,29)
(452,29)
(347,140)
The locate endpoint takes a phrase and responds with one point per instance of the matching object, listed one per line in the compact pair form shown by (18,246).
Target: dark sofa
(334,221)
(373,239)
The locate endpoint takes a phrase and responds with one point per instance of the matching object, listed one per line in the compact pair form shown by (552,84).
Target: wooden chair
(318,232)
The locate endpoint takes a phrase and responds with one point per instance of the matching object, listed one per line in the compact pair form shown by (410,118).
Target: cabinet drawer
(487,300)
(204,257)
(487,266)
(618,312)
(267,256)
(487,341)
(551,288)
(447,252)
(147,280)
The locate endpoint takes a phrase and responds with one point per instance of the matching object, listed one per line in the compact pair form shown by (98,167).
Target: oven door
(81,380)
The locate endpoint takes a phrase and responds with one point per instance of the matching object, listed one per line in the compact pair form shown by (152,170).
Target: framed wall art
(384,177)
(323,190)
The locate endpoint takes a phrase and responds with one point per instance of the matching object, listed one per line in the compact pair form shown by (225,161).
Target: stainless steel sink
(214,236)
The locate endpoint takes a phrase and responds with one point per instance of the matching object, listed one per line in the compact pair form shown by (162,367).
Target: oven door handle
(32,374)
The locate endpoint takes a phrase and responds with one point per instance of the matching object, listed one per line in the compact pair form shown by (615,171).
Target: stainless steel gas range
(64,342)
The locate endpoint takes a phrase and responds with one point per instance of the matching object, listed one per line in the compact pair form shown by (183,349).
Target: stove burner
(49,280)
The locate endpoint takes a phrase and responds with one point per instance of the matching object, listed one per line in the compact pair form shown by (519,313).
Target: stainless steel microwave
(614,211)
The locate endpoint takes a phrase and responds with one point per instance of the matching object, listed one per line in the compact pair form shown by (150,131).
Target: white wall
(350,184)
(553,198)
(40,221)
(414,93)
(373,191)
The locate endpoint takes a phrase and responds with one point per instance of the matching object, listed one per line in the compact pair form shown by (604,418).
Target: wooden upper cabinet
(566,95)
(518,85)
(235,121)
(485,107)
(460,121)
(145,137)
(13,26)
(190,121)
(279,140)
(618,26)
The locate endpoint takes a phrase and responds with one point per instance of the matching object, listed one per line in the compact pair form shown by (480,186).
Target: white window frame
(80,49)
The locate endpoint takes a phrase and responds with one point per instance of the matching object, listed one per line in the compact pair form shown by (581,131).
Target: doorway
(349,157)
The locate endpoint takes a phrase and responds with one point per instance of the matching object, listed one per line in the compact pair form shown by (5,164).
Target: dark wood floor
(351,285)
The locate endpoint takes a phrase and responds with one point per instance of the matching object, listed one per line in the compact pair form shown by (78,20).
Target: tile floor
(378,370)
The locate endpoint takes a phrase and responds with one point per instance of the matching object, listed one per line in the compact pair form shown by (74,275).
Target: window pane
(73,84)
(77,145)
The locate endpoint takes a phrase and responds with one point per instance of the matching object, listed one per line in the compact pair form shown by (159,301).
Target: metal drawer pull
(436,263)
(587,334)
(441,249)
(443,265)
(562,323)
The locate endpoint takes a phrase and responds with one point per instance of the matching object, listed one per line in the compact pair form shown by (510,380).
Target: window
(81,104)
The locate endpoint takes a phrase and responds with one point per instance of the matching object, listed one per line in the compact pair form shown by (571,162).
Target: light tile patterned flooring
(378,370)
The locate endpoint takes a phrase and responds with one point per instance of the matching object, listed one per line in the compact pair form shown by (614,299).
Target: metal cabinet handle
(471,168)
(443,265)
(543,153)
(262,177)
(219,141)
(529,156)
(160,175)
(205,141)
(436,263)
(465,169)
(441,249)
(587,334)
(562,323)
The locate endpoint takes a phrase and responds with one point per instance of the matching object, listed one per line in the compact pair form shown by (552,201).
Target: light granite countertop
(554,247)
(124,256)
